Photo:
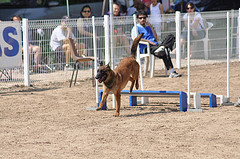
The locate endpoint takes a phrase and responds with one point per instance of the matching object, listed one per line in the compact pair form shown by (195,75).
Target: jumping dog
(116,80)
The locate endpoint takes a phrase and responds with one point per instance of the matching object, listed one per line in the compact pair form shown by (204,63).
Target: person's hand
(148,24)
(152,43)
(194,33)
(69,29)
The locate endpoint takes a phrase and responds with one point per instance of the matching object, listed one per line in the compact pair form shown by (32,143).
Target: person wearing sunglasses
(150,36)
(196,26)
(85,29)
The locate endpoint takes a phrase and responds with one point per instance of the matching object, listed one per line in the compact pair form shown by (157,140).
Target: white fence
(50,67)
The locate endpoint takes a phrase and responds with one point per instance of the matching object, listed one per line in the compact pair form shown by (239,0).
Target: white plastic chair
(149,60)
(206,41)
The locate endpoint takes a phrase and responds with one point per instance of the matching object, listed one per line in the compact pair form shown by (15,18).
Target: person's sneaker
(68,68)
(174,75)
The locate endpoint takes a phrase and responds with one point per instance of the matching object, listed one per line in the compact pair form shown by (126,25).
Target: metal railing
(50,66)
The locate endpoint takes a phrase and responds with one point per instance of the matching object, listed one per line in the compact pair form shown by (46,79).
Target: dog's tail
(135,45)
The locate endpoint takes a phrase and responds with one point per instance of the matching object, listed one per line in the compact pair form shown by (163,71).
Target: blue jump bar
(140,93)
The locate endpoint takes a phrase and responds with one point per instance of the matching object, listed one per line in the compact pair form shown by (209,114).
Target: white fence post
(188,57)
(138,52)
(228,45)
(95,57)
(106,33)
(26,52)
(178,35)
(239,34)
(107,48)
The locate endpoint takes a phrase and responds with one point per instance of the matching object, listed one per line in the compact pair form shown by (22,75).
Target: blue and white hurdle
(144,93)
(166,94)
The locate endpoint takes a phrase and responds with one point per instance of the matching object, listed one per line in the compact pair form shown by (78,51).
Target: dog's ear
(108,65)
(101,63)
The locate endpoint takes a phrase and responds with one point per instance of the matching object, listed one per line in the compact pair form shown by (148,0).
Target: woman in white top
(156,11)
(196,25)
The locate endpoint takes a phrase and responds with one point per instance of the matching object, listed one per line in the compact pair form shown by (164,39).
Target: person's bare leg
(37,55)
(115,44)
(124,42)
(30,48)
(191,48)
(80,49)
(67,52)
(182,42)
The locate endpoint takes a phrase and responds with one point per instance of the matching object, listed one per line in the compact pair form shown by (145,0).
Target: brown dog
(116,80)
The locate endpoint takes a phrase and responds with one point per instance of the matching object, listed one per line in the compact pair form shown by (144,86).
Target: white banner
(10,44)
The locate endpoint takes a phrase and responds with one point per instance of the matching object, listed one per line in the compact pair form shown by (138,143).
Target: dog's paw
(98,109)
(116,115)
(136,86)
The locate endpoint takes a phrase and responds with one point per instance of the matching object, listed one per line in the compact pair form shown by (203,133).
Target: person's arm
(150,42)
(69,29)
(161,9)
(162,14)
(196,21)
(80,27)
(66,41)
(134,35)
(153,31)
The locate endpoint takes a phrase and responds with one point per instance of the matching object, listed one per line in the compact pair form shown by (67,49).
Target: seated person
(119,34)
(137,5)
(151,36)
(85,30)
(59,40)
(180,5)
(122,6)
(33,49)
(131,10)
(196,26)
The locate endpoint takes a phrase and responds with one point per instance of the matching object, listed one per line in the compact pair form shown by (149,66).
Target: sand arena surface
(51,121)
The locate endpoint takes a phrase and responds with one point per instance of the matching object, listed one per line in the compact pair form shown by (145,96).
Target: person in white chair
(150,36)
(197,28)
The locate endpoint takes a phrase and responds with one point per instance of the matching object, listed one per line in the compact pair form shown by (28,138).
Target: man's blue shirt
(148,35)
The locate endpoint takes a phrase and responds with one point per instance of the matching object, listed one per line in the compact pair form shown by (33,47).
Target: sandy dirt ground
(51,121)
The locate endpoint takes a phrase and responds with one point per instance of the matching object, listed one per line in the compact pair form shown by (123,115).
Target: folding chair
(77,60)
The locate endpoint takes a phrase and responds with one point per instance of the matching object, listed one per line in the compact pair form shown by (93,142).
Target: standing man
(59,41)
(150,36)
